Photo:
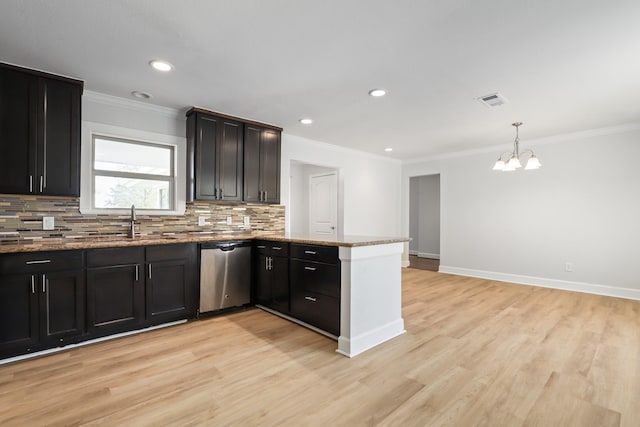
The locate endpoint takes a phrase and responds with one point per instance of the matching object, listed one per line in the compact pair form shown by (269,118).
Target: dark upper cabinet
(39,133)
(42,300)
(261,164)
(215,157)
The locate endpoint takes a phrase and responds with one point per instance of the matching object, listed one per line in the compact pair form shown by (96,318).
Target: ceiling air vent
(493,100)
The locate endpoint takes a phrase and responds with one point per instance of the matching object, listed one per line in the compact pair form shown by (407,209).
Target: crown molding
(130,104)
(563,137)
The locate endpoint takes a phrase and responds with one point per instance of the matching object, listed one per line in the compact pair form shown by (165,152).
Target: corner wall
(369,184)
(581,207)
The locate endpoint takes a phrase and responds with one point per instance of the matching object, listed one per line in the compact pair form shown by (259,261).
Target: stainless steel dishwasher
(225,275)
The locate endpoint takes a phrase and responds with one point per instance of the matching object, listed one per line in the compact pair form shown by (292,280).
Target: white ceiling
(564,65)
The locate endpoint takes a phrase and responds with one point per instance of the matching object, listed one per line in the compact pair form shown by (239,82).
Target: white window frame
(91,130)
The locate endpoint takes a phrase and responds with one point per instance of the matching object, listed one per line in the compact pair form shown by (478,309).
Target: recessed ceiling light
(161,65)
(141,95)
(388,149)
(306,121)
(377,92)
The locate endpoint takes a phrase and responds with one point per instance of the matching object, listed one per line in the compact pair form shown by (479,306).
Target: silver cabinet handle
(312,299)
(149,271)
(33,284)
(261,246)
(311,252)
(221,193)
(266,263)
(137,272)
(270,263)
(44,282)
(265,196)
(41,183)
(38,261)
(310,268)
(276,248)
(30,183)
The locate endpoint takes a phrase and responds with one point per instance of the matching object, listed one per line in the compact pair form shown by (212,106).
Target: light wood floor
(476,352)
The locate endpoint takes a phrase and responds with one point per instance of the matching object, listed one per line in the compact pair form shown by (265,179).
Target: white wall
(369,184)
(581,207)
(425,216)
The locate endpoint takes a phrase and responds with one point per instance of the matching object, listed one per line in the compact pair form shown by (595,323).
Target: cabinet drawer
(315,277)
(318,310)
(169,252)
(267,247)
(115,256)
(25,263)
(328,254)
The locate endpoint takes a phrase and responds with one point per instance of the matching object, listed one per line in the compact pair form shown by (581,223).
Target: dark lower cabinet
(19,331)
(315,286)
(115,290)
(271,268)
(42,301)
(171,283)
(62,306)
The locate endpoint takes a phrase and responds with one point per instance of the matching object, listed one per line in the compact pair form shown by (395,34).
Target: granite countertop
(70,243)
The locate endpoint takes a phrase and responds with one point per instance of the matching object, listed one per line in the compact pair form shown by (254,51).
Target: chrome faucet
(132,224)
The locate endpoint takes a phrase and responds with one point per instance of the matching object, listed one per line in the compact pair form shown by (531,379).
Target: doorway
(424,222)
(315,199)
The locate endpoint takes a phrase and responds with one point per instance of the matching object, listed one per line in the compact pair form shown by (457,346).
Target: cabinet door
(205,157)
(18,313)
(115,298)
(262,280)
(62,305)
(252,191)
(18,101)
(280,283)
(59,138)
(169,290)
(230,159)
(270,165)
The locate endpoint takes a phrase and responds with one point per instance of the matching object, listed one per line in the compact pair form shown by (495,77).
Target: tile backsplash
(21,219)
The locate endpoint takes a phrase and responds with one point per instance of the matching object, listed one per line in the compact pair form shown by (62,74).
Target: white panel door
(323,204)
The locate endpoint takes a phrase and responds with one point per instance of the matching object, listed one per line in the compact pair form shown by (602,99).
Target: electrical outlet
(568,266)
(48,223)
(229,220)
(202,221)
(247,221)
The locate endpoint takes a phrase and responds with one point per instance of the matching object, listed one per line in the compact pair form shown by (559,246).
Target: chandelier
(512,160)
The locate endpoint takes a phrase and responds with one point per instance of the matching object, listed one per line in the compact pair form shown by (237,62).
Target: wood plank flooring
(476,353)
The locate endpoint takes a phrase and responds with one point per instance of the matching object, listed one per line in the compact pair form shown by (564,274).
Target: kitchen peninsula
(369,278)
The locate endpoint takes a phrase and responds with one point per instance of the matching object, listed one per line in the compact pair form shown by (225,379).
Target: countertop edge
(39,246)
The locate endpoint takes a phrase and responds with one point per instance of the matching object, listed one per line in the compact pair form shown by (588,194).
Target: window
(127,172)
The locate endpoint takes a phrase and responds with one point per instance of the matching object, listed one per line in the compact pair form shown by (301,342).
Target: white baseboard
(588,288)
(428,255)
(411,251)
(363,342)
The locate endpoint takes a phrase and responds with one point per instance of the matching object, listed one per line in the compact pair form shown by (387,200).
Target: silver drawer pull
(311,252)
(261,246)
(310,268)
(38,261)
(310,299)
(276,248)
